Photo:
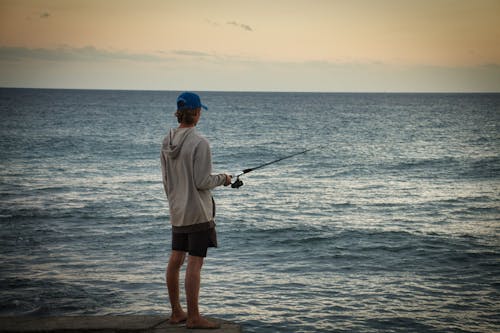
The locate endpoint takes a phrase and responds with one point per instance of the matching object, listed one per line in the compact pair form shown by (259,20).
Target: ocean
(390,225)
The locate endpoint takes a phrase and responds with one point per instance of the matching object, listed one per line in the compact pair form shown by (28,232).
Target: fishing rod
(238,183)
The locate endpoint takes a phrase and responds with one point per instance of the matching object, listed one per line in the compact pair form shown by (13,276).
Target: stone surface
(153,324)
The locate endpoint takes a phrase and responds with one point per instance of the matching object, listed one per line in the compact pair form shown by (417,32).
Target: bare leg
(192,283)
(173,269)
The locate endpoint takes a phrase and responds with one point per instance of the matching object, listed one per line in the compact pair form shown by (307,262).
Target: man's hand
(228,180)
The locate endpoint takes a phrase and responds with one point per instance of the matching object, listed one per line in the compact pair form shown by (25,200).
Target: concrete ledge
(103,324)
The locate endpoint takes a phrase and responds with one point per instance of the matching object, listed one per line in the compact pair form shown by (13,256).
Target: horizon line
(259,91)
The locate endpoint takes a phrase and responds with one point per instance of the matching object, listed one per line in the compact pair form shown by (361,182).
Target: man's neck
(186,125)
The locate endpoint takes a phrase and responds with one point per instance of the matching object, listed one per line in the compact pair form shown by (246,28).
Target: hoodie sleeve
(204,180)
(163,161)
(164,172)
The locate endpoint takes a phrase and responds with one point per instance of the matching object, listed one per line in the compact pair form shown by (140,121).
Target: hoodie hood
(176,139)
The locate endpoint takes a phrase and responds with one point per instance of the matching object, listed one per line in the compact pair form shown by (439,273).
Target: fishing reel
(237,183)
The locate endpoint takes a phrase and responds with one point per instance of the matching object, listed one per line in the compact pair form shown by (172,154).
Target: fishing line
(238,183)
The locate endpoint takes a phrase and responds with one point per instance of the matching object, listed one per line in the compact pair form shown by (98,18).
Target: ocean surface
(392,226)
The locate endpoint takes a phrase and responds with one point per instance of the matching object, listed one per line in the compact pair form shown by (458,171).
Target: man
(186,169)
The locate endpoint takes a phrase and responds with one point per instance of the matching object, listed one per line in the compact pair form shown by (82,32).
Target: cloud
(240,25)
(212,23)
(191,53)
(236,24)
(90,67)
(66,53)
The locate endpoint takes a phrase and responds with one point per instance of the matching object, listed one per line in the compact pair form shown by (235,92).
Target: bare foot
(177,318)
(202,323)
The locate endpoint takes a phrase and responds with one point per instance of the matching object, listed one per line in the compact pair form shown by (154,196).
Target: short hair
(187,116)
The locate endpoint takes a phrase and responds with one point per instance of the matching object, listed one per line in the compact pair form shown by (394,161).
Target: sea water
(390,225)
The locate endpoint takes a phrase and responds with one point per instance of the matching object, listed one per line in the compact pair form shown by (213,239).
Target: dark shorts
(195,243)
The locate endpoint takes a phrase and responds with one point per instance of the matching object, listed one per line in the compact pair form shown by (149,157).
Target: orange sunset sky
(295,45)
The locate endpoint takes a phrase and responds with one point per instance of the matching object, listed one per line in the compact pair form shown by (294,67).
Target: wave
(424,163)
(448,166)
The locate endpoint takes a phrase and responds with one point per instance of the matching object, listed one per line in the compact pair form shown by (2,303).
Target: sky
(258,45)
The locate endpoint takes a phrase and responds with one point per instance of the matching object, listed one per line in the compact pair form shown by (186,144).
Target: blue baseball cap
(188,101)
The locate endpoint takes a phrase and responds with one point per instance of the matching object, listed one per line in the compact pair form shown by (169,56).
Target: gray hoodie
(186,164)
